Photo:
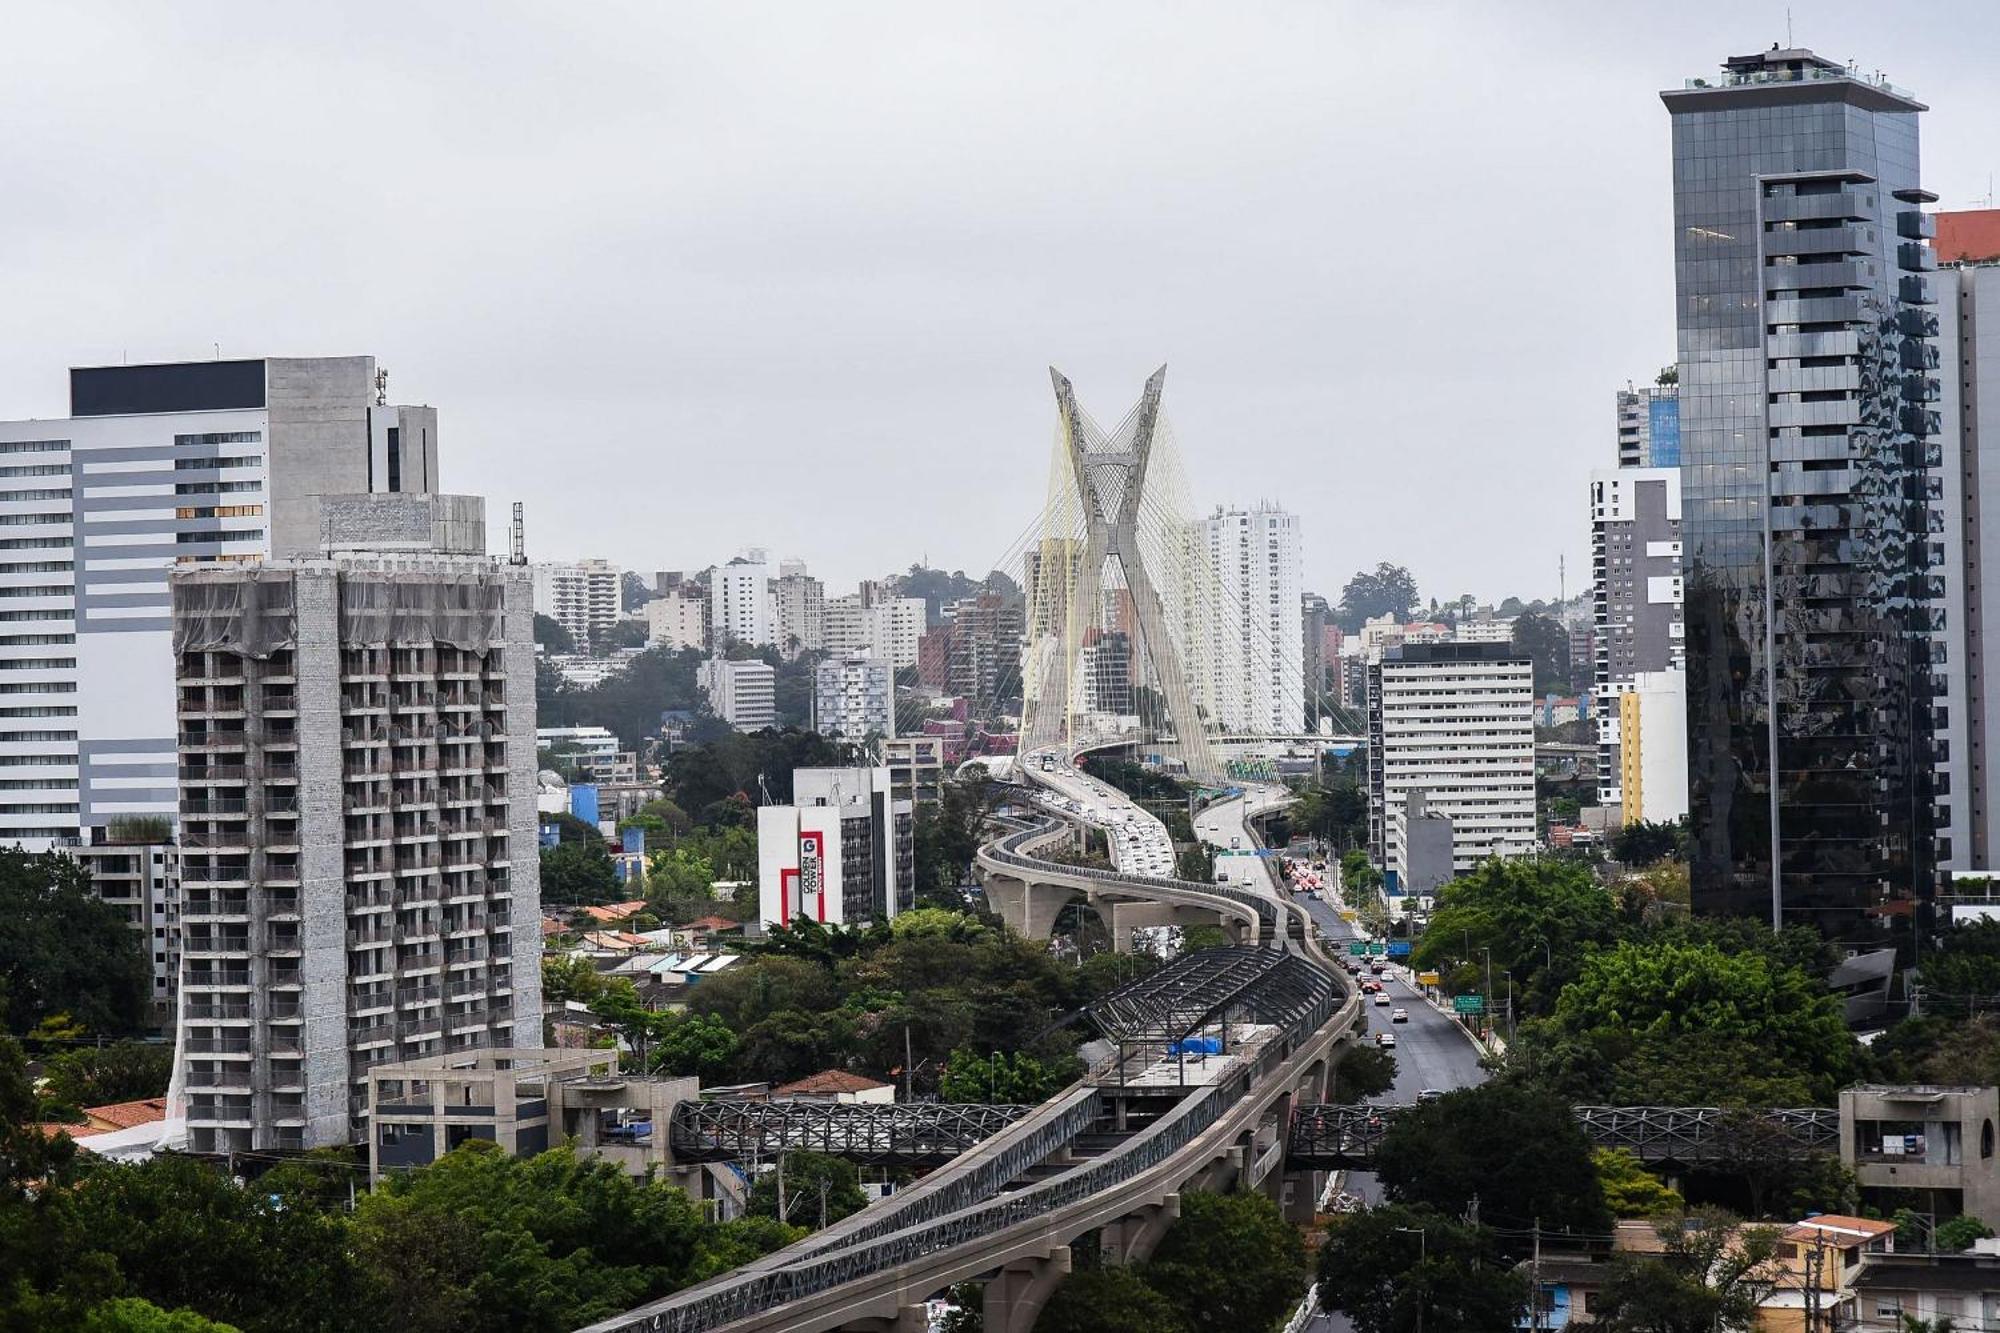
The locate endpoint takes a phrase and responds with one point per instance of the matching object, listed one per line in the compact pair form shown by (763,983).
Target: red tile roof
(611,912)
(124,1115)
(1969,234)
(830,1080)
(713,923)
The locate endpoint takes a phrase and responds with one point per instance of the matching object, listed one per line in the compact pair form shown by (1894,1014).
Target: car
(1377,968)
(1385,1039)
(1428,1095)
(1371,987)
(1399,1016)
(1381,998)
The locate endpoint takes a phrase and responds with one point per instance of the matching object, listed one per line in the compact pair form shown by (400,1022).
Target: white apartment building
(1484,631)
(1653,777)
(157,467)
(798,602)
(1250,616)
(739,602)
(854,697)
(583,742)
(678,620)
(358,826)
(866,624)
(583,596)
(1455,721)
(744,694)
(844,851)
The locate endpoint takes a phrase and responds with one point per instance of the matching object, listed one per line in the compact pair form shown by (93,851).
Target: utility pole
(909,1068)
(1535,1283)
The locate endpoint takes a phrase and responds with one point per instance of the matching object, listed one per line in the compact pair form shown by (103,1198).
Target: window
(220,437)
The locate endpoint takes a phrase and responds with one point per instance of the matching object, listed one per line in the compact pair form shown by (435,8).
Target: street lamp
(1489,988)
(1423,1256)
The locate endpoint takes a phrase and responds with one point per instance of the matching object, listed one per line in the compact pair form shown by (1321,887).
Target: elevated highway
(1107,1157)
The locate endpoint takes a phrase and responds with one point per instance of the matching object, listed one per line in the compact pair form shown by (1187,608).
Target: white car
(1381,999)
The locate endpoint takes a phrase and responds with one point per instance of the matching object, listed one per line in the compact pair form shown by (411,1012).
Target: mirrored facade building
(1807,434)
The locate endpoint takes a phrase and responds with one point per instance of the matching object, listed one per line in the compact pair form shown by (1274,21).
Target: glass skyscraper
(1805,433)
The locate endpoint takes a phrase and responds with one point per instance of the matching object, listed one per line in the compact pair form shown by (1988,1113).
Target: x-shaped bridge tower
(1109,475)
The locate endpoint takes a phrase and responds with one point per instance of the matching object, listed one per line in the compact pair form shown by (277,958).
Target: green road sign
(1378,948)
(1357,949)
(1468,1004)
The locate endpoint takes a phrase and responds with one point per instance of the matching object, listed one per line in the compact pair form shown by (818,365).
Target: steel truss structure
(1347,1136)
(912,1134)
(1113,498)
(1196,989)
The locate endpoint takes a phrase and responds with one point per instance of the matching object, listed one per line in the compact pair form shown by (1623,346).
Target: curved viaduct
(1108,1156)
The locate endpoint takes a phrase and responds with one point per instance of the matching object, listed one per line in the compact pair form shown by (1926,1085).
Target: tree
(1630,1190)
(102,1075)
(1108,1298)
(1641,843)
(1743,1010)
(1537,917)
(948,833)
(1518,1150)
(1364,1072)
(633,591)
(679,876)
(64,950)
(551,637)
(1395,1269)
(694,1044)
(1545,643)
(1956,1235)
(579,873)
(819,1190)
(134,1314)
(1230,1261)
(1018,1079)
(1710,1274)
(1390,590)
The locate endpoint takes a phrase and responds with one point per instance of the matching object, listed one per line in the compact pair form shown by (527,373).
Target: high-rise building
(874,623)
(677,620)
(854,698)
(135,867)
(1635,540)
(1456,722)
(1807,432)
(1315,617)
(983,651)
(1649,426)
(1652,750)
(157,467)
(1252,678)
(742,693)
(358,811)
(585,597)
(1107,674)
(799,604)
(739,602)
(1967,712)
(844,851)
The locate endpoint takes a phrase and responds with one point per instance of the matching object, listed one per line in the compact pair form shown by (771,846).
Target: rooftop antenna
(381,386)
(764,790)
(1788,29)
(519,552)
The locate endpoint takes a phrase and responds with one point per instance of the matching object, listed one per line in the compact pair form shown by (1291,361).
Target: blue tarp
(1198,1046)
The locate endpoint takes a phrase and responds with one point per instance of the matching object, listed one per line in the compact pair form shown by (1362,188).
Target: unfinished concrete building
(357,779)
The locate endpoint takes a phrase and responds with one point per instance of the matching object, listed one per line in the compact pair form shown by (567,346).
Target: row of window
(209,464)
(220,437)
(219,511)
(33,446)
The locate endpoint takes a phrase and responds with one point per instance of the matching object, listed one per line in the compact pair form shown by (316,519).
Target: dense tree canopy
(703,776)
(1231,1261)
(1537,917)
(1710,1274)
(1397,1269)
(101,1075)
(1667,1020)
(64,950)
(1545,642)
(1519,1151)
(1388,590)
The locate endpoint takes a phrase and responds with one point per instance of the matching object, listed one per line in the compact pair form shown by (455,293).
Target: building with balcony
(585,597)
(359,875)
(1456,723)
(1636,595)
(155,468)
(1808,432)
(134,867)
(854,698)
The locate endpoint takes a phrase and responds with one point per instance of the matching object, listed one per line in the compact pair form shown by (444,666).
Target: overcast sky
(688,278)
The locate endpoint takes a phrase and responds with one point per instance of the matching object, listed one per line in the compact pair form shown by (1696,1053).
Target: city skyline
(789,256)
